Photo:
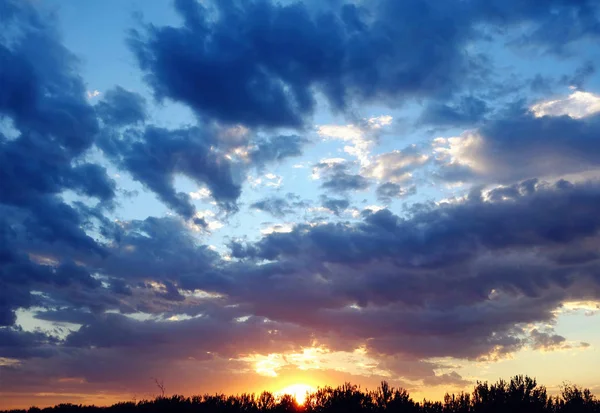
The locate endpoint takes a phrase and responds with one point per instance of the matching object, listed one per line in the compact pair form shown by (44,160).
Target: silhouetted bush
(521,395)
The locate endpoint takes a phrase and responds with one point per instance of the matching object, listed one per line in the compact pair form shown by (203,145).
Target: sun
(299,392)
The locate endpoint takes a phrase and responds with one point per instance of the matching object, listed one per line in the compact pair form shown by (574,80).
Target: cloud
(324,165)
(336,206)
(362,137)
(54,128)
(206,154)
(377,278)
(45,100)
(325,50)
(145,349)
(159,249)
(395,166)
(577,105)
(581,75)
(342,182)
(368,284)
(202,193)
(269,180)
(269,228)
(467,111)
(143,336)
(518,147)
(452,378)
(207,220)
(278,207)
(317,358)
(547,340)
(19,344)
(120,107)
(338,177)
(465,278)
(279,56)
(590,307)
(389,190)
(153,157)
(276,149)
(92,94)
(550,29)
(27,254)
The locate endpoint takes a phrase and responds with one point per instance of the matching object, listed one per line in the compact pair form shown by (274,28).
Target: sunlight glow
(298,391)
(577,105)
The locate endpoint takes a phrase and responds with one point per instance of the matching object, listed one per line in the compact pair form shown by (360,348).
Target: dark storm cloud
(547,340)
(473,259)
(15,269)
(424,286)
(45,99)
(41,261)
(143,349)
(165,240)
(54,126)
(43,96)
(261,63)
(555,24)
(276,148)
(155,155)
(162,250)
(278,207)
(334,205)
(68,315)
(281,206)
(341,181)
(32,167)
(467,111)
(456,279)
(120,107)
(53,221)
(470,223)
(337,177)
(388,191)
(196,335)
(521,146)
(444,379)
(158,250)
(581,75)
(410,369)
(19,344)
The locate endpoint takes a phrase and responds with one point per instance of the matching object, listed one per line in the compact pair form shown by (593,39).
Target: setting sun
(299,391)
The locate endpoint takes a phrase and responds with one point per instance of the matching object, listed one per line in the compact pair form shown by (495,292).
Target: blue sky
(242,195)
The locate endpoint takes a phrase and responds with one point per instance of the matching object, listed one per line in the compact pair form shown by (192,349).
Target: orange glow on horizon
(298,391)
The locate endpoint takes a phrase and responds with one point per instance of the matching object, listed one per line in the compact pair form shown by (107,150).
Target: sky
(236,196)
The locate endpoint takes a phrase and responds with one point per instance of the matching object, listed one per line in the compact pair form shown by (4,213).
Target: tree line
(522,394)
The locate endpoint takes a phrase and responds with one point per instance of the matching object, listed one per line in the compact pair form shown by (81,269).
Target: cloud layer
(501,229)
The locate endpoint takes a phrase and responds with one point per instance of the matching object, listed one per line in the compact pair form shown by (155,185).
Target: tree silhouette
(161,386)
(522,394)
